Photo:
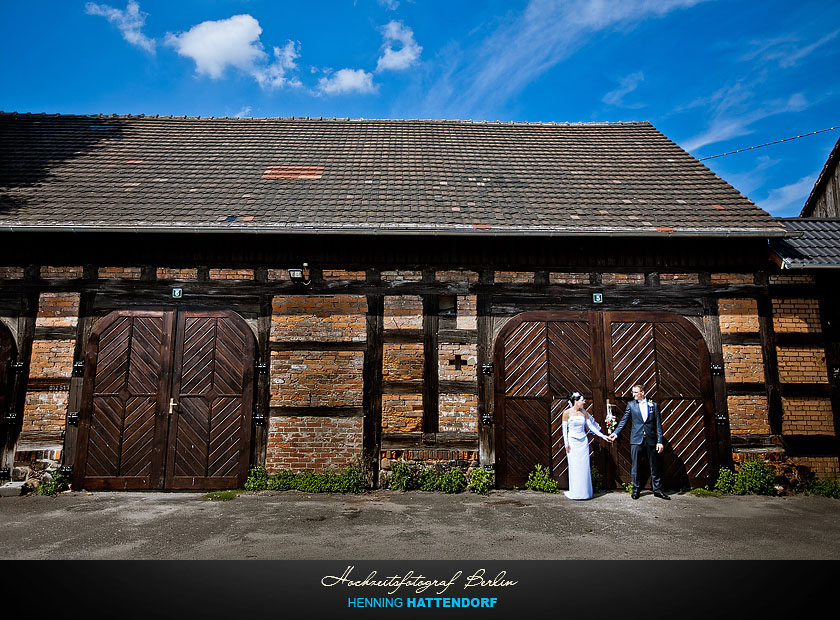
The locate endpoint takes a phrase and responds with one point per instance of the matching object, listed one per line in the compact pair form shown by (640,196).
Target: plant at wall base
(282,481)
(402,477)
(452,481)
(753,477)
(540,480)
(56,484)
(627,486)
(481,481)
(597,481)
(825,487)
(257,479)
(222,496)
(427,479)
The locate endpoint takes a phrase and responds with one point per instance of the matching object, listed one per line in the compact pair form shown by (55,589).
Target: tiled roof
(817,247)
(357,175)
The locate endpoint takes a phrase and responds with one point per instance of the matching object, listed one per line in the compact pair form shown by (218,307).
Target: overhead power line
(758,146)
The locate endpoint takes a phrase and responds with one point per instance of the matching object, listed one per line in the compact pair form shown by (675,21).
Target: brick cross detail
(458,362)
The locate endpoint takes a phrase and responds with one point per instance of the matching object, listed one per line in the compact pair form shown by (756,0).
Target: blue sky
(712,75)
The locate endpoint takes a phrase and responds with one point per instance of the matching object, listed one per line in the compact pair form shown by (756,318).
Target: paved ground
(389,525)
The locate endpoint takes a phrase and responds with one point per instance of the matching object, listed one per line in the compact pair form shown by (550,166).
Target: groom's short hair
(640,386)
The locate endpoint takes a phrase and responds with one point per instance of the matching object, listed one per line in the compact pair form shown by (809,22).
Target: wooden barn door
(543,356)
(666,354)
(166,401)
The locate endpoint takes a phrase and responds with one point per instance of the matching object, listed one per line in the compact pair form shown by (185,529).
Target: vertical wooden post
(431,389)
(262,396)
(372,379)
(484,326)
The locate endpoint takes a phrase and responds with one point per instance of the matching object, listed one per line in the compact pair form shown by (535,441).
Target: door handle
(172,405)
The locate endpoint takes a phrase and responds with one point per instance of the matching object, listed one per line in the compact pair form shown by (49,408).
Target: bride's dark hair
(574,397)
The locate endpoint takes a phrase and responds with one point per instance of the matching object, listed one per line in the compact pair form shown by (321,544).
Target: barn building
(184,298)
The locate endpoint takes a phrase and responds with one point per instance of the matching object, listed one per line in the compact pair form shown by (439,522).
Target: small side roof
(816,247)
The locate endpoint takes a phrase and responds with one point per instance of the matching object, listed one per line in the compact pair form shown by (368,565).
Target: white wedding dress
(574,436)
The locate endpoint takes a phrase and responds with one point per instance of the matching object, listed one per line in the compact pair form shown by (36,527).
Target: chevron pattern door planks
(542,362)
(667,354)
(209,436)
(543,356)
(166,401)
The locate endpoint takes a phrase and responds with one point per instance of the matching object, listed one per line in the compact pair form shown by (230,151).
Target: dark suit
(644,435)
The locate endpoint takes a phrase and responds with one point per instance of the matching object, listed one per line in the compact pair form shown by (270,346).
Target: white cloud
(736,111)
(215,46)
(406,55)
(346,81)
(524,48)
(627,86)
(786,50)
(244,111)
(130,22)
(391,5)
(789,199)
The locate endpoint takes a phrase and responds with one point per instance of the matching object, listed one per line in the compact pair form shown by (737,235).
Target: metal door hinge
(258,418)
(5,474)
(261,368)
(717,370)
(486,418)
(18,366)
(78,368)
(10,417)
(66,471)
(73,418)
(487,368)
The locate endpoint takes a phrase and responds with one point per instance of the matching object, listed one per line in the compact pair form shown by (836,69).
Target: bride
(576,423)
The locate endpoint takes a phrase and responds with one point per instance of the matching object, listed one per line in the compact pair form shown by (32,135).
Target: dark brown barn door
(8,354)
(135,430)
(667,354)
(543,356)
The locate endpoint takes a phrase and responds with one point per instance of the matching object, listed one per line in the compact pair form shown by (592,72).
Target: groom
(645,435)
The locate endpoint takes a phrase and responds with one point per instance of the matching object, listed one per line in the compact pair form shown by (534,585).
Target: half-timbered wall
(386,361)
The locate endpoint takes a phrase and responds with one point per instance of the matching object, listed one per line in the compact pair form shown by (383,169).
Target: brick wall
(565,277)
(802,365)
(819,466)
(45,412)
(734,279)
(128,273)
(807,416)
(778,278)
(58,310)
(61,271)
(748,415)
(401,276)
(457,362)
(466,317)
(514,277)
(458,413)
(738,315)
(313,443)
(11,273)
(456,276)
(402,413)
(679,278)
(403,312)
(743,363)
(316,378)
(231,274)
(342,275)
(313,317)
(796,315)
(402,361)
(176,273)
(623,278)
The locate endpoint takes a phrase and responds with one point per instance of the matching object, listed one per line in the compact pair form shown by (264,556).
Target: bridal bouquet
(610,421)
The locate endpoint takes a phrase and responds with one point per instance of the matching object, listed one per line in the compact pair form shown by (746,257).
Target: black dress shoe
(635,495)
(661,495)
